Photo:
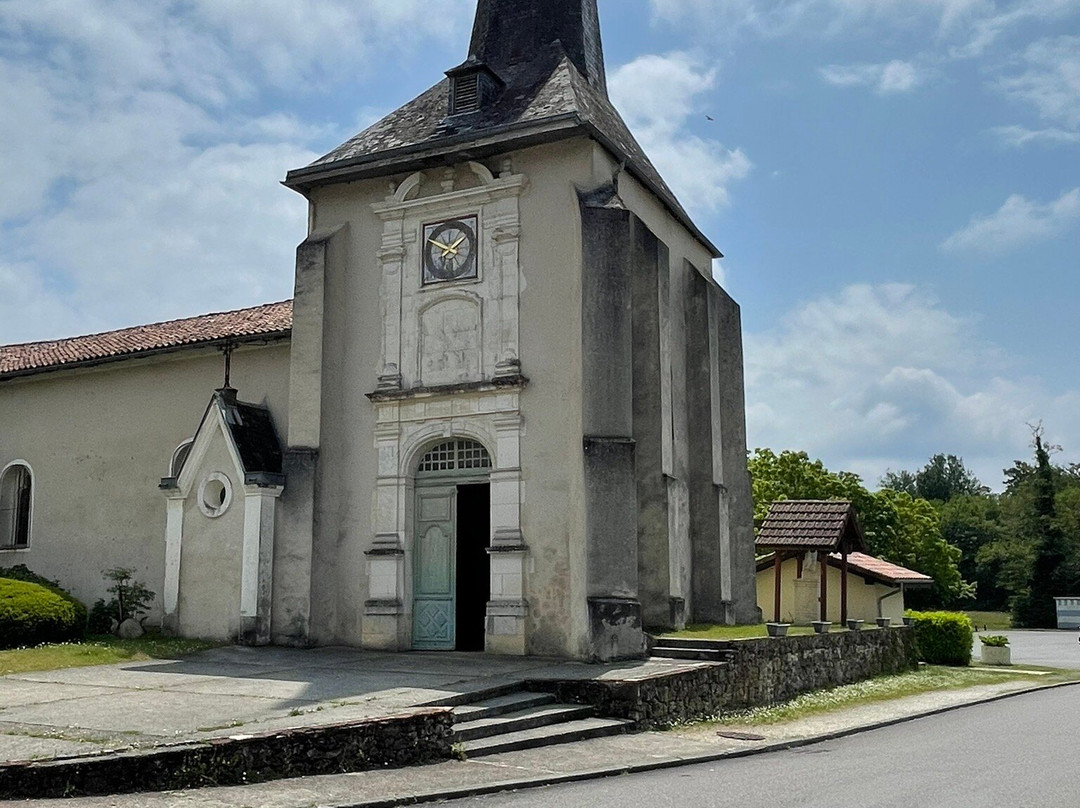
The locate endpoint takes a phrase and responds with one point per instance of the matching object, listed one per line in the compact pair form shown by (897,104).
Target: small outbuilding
(814,566)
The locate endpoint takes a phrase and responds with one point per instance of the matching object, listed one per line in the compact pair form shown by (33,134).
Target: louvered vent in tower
(472,87)
(465,94)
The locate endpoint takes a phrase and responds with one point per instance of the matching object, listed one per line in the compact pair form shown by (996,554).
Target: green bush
(20,572)
(943,638)
(31,614)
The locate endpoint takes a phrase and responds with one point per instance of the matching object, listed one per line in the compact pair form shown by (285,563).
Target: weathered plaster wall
(100,440)
(797,607)
(550,255)
(210,555)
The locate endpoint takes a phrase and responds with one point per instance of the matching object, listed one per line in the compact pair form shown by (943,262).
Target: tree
(942,479)
(898,527)
(971,523)
(1034,606)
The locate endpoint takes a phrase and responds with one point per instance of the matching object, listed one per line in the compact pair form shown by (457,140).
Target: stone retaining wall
(419,737)
(761,672)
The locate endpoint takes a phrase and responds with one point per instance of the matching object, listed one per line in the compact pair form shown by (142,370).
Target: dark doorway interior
(473,565)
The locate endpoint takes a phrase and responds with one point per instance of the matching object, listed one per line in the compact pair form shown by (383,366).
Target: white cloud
(658,96)
(879,377)
(1051,80)
(1020,136)
(147,170)
(886,78)
(1017,222)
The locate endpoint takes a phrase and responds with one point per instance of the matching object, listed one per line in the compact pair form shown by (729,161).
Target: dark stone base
(421,737)
(615,629)
(761,672)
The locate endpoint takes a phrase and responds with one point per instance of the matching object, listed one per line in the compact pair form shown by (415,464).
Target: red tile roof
(272,319)
(812,524)
(870,567)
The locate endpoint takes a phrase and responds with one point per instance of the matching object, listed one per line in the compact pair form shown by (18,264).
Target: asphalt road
(1022,752)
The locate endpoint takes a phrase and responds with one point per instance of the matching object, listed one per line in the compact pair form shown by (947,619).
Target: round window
(215,495)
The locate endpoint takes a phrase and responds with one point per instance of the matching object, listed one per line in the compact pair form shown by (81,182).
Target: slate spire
(511,32)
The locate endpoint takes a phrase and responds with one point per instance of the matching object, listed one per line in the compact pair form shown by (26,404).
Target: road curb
(526,783)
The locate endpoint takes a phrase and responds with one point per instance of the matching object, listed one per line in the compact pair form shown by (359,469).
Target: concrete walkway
(549,766)
(230,691)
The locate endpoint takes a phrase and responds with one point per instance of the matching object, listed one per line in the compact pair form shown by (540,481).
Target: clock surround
(450,251)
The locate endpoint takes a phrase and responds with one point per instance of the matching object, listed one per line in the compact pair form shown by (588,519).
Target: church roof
(272,320)
(554,90)
(252,430)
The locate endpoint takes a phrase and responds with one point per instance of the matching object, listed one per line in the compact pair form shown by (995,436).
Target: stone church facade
(503,412)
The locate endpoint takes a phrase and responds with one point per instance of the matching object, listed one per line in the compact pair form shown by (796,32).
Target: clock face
(450,250)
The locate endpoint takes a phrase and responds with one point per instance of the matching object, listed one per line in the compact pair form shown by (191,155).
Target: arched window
(455,455)
(16,496)
(179,457)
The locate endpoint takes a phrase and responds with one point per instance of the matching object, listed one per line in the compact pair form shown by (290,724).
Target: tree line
(1014,551)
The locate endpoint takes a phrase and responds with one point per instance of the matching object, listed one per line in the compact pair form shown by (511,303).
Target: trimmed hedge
(943,638)
(20,572)
(31,614)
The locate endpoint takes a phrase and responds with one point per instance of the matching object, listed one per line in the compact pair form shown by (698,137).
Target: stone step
(693,654)
(683,642)
(476,696)
(499,705)
(581,730)
(532,718)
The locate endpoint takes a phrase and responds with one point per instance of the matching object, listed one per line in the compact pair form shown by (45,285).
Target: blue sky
(895,184)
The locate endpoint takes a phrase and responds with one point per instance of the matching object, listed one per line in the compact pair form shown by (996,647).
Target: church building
(503,412)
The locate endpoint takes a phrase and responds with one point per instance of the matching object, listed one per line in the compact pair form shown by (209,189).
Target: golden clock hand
(439,244)
(457,243)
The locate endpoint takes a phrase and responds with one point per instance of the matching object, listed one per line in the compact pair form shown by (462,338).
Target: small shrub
(994,640)
(101,619)
(130,597)
(31,614)
(943,638)
(20,572)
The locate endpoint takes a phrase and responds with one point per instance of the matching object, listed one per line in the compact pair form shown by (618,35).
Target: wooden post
(843,585)
(823,565)
(798,567)
(777,566)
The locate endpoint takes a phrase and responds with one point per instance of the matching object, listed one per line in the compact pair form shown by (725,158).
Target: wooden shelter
(794,528)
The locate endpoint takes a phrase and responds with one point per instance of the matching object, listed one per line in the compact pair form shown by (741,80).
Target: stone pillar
(257,565)
(386,610)
(708,512)
(737,559)
(607,408)
(508,609)
(174,533)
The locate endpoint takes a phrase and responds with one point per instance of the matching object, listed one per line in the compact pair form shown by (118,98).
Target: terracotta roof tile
(34,357)
(815,524)
(886,571)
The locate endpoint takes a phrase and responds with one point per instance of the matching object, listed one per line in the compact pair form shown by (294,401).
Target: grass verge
(991,621)
(104,650)
(884,688)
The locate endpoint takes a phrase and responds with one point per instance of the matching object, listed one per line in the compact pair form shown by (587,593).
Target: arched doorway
(451,567)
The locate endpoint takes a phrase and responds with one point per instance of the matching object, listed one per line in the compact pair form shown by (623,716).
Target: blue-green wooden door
(434,569)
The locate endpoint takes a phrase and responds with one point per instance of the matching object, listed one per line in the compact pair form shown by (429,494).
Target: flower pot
(822,626)
(854,625)
(884,622)
(996,655)
(777,629)
(909,621)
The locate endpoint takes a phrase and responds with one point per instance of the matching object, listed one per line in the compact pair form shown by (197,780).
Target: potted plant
(777,629)
(822,626)
(884,622)
(854,625)
(995,649)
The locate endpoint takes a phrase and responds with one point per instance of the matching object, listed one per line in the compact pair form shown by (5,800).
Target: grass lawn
(991,621)
(711,632)
(104,650)
(884,688)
